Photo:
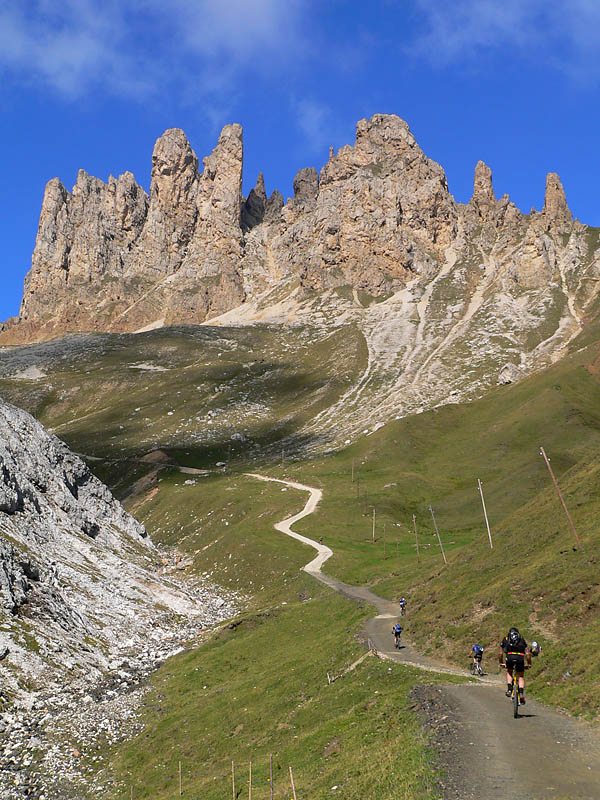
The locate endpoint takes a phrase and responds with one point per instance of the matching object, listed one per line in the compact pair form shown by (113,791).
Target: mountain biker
(513,654)
(477,654)
(402,605)
(397,630)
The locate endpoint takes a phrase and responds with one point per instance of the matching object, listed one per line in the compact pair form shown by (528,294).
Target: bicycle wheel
(515,699)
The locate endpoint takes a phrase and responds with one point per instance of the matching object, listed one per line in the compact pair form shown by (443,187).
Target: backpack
(514,637)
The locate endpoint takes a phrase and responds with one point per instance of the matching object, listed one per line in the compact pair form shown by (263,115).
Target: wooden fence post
(271,773)
(293,786)
(561,498)
(250,781)
(373,535)
(438,535)
(416,537)
(233,780)
(487,524)
(180,781)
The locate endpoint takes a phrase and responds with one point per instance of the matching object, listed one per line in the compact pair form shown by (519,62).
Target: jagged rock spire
(484,198)
(555,202)
(306,184)
(253,210)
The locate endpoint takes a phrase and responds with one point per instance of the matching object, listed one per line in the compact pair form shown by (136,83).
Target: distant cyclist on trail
(402,606)
(397,631)
(476,654)
(513,654)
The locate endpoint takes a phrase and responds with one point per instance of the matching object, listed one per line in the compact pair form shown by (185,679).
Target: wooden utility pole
(416,537)
(373,534)
(438,534)
(487,524)
(384,530)
(292,781)
(271,774)
(562,500)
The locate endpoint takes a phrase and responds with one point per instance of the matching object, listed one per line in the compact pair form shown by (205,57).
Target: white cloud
(315,122)
(241,30)
(564,34)
(137,47)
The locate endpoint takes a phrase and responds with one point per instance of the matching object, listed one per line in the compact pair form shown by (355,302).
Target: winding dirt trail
(543,755)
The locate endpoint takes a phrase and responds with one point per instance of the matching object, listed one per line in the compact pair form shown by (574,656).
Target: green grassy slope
(187,389)
(262,688)
(533,578)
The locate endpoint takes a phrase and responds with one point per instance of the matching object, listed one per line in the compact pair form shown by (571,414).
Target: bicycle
(514,691)
(476,668)
(397,641)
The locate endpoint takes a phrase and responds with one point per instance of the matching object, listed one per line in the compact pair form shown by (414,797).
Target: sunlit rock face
(377,224)
(79,577)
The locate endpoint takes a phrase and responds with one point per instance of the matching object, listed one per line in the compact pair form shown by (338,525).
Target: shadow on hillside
(265,445)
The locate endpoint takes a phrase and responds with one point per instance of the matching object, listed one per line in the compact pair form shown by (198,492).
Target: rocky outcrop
(253,210)
(483,200)
(555,208)
(79,577)
(379,214)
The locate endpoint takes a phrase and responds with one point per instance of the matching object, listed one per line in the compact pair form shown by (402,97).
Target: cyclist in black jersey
(513,654)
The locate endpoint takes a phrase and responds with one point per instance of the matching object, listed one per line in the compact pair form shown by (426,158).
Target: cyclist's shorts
(515,662)
(478,656)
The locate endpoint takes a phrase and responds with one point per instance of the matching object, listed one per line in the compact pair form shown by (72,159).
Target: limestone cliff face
(379,212)
(379,215)
(108,257)
(77,572)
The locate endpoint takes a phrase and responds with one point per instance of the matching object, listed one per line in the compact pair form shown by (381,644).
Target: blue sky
(92,83)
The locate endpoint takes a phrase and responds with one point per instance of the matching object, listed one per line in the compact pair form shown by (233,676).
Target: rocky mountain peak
(384,133)
(555,208)
(253,209)
(382,138)
(306,185)
(484,198)
(220,186)
(378,214)
(174,163)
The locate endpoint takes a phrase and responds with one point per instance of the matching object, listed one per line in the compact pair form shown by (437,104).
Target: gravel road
(483,751)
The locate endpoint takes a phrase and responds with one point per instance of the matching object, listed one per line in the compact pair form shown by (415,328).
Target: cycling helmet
(513,636)
(535,649)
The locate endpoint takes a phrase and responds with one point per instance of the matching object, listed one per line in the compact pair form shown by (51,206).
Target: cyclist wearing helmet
(397,631)
(476,653)
(402,606)
(513,654)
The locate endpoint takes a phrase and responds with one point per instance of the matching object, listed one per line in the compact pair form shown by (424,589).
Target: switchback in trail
(543,755)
